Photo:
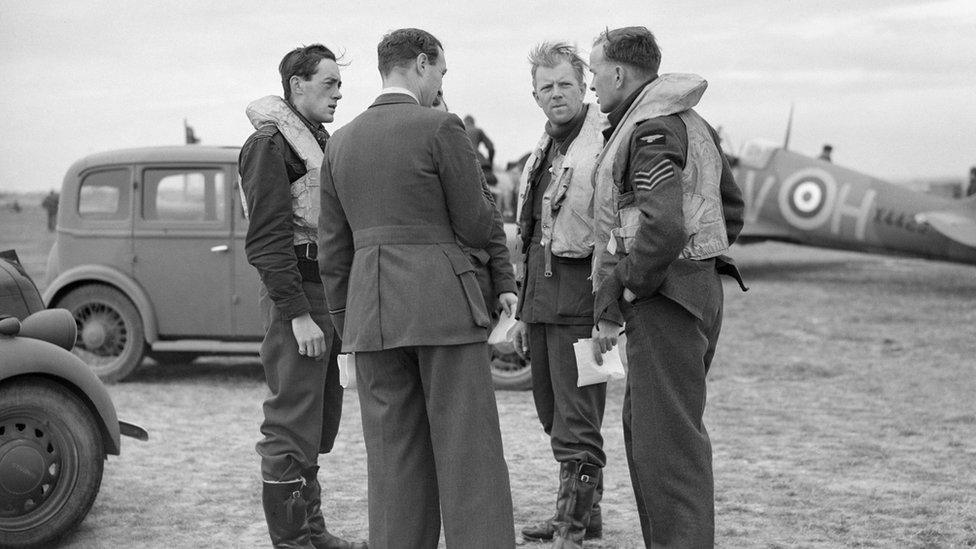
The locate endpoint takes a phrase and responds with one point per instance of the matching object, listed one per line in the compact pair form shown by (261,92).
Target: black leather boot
(284,509)
(574,516)
(545,530)
(318,533)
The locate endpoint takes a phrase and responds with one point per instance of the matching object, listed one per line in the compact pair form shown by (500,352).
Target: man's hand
(604,338)
(629,296)
(311,340)
(519,334)
(508,301)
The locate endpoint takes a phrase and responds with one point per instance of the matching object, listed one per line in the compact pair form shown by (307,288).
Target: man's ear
(422,62)
(295,84)
(619,76)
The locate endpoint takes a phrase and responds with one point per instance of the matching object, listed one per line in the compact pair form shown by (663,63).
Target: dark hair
(634,46)
(302,62)
(402,46)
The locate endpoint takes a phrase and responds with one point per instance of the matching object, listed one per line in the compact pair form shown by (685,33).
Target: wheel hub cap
(21,469)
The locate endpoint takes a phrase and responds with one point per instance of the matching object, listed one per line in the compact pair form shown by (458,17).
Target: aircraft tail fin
(956,225)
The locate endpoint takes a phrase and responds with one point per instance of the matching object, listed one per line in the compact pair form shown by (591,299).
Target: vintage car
(149,258)
(57,422)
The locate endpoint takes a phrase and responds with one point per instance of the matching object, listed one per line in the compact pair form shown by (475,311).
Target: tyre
(509,372)
(51,461)
(110,333)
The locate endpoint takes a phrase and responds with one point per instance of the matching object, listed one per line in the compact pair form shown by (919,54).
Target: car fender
(21,356)
(113,277)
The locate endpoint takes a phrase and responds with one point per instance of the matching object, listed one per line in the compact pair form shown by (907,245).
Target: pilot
(825,153)
(279,165)
(556,309)
(662,268)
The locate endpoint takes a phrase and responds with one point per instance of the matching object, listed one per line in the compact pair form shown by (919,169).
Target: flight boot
(318,533)
(284,509)
(545,530)
(573,516)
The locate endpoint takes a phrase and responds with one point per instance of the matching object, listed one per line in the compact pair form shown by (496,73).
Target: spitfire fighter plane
(793,198)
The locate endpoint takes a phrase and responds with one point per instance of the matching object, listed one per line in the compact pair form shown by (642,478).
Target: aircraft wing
(957,225)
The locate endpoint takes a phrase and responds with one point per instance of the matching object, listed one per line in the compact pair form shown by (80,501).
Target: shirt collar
(397,89)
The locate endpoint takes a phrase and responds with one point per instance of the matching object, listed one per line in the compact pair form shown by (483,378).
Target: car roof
(165,154)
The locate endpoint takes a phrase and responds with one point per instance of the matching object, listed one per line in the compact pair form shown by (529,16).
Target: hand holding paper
(588,371)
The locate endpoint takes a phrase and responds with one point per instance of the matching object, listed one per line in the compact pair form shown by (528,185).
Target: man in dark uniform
(400,191)
(279,184)
(556,309)
(677,210)
(50,204)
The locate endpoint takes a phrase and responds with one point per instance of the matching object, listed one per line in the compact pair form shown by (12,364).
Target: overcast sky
(890,84)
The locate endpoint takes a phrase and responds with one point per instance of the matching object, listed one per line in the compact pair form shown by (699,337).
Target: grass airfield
(842,413)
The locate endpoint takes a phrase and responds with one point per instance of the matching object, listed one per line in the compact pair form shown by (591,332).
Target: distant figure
(478,138)
(971,189)
(825,153)
(50,203)
(16,208)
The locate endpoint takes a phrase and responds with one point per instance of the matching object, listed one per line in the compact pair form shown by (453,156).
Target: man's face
(431,78)
(317,97)
(558,92)
(604,80)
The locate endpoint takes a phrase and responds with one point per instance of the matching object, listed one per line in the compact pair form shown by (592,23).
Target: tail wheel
(110,332)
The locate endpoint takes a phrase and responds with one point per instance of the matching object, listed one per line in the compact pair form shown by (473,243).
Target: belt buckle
(308,252)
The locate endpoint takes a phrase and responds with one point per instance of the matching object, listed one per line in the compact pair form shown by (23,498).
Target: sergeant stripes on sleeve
(646,181)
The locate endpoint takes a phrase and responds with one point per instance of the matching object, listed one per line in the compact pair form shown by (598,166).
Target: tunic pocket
(469,285)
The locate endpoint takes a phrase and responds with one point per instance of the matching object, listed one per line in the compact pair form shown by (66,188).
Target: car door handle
(219,249)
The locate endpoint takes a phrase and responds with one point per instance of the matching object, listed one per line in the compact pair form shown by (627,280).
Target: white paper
(588,372)
(500,333)
(347,369)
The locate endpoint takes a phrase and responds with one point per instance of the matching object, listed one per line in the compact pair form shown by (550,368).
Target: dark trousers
(301,416)
(570,415)
(669,351)
(433,448)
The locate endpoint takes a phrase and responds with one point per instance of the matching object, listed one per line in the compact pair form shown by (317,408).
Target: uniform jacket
(668,198)
(567,203)
(400,190)
(268,167)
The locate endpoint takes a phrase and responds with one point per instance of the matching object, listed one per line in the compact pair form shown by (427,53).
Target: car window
(186,195)
(104,195)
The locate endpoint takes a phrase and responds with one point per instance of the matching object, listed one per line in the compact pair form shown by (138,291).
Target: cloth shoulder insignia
(654,138)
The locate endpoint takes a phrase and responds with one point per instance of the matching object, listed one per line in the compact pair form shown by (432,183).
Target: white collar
(397,89)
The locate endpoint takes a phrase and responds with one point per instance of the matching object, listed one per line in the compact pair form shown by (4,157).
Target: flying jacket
(661,153)
(567,203)
(272,109)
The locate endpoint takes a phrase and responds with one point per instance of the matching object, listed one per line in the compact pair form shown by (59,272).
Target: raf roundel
(806,198)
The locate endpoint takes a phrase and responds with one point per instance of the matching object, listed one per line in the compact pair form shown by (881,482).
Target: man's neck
(304,117)
(404,84)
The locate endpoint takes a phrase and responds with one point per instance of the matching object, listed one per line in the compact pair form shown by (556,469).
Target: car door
(183,254)
(247,314)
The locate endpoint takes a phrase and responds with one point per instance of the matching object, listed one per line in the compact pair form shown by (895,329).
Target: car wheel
(110,334)
(51,461)
(509,372)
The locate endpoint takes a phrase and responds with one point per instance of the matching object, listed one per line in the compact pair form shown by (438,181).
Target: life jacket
(617,219)
(305,203)
(567,202)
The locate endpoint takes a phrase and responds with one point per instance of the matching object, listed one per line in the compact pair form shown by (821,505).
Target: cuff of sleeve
(605,303)
(293,307)
(507,284)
